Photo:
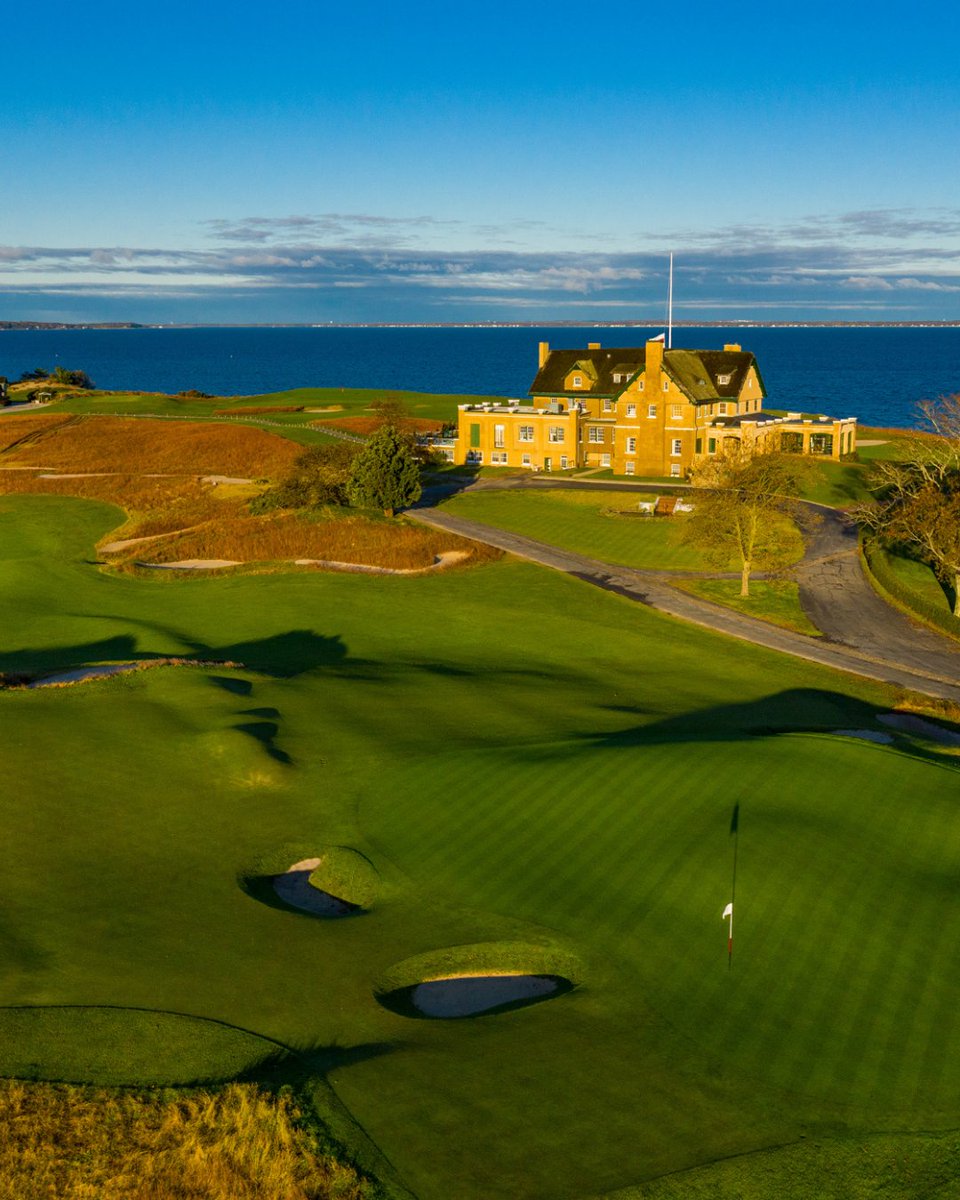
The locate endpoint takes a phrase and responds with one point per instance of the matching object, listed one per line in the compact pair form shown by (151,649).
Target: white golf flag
(728,912)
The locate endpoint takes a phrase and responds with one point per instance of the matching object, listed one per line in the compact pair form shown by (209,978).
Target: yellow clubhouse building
(648,411)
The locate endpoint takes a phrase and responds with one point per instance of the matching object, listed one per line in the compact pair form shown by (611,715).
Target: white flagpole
(670,306)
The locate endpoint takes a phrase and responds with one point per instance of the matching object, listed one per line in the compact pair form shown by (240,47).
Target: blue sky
(479,161)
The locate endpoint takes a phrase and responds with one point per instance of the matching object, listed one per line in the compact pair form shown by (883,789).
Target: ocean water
(878,375)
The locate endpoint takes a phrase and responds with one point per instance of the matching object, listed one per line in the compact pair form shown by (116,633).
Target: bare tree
(739,507)
(918,496)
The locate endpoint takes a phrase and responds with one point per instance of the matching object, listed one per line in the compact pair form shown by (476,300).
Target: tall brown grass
(161,491)
(236,1143)
(153,505)
(13,428)
(139,445)
(283,537)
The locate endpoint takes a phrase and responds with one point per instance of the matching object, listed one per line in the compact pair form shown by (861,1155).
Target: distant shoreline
(48,326)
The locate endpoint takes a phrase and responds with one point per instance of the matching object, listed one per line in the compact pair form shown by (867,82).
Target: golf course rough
(525,765)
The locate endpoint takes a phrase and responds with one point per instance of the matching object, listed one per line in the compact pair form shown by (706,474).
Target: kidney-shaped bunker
(469,995)
(467,981)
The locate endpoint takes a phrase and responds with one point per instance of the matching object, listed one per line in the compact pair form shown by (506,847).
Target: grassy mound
(346,874)
(104,1045)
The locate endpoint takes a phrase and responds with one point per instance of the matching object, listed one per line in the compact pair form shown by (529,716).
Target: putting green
(525,764)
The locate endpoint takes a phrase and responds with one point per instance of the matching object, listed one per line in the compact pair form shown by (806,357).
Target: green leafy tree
(385,473)
(79,379)
(320,477)
(739,507)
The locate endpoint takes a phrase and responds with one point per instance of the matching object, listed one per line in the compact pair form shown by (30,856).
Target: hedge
(880,569)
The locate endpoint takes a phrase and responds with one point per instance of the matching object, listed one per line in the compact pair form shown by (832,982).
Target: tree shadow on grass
(795,710)
(265,732)
(282,655)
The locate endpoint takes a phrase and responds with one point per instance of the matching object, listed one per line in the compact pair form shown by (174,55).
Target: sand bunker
(81,673)
(470,995)
(294,888)
(910,723)
(193,564)
(101,670)
(446,559)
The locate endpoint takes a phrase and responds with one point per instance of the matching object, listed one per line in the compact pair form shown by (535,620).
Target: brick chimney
(654,361)
(544,352)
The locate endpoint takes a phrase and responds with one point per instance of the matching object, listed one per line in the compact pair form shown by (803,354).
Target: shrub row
(882,572)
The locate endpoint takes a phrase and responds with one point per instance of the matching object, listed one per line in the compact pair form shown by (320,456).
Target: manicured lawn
(775,601)
(585,522)
(332,403)
(523,760)
(838,484)
(918,578)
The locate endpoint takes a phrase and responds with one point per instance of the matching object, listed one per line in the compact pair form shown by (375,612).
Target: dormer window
(578,381)
(723,380)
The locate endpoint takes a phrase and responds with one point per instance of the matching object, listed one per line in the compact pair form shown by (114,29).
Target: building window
(563,462)
(525,460)
(722,409)
(555,433)
(578,381)
(497,457)
(631,445)
(674,470)
(723,380)
(604,460)
(474,456)
(526,433)
(676,412)
(498,431)
(631,410)
(629,468)
(652,411)
(595,433)
(640,386)
(474,435)
(608,406)
(676,446)
(699,449)
(711,445)
(666,386)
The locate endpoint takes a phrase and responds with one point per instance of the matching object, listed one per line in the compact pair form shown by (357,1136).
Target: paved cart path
(863,634)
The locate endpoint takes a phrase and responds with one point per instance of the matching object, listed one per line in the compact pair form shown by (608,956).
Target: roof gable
(600,366)
(707,375)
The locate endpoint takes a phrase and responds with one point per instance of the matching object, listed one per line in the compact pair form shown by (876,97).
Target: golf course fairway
(542,778)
